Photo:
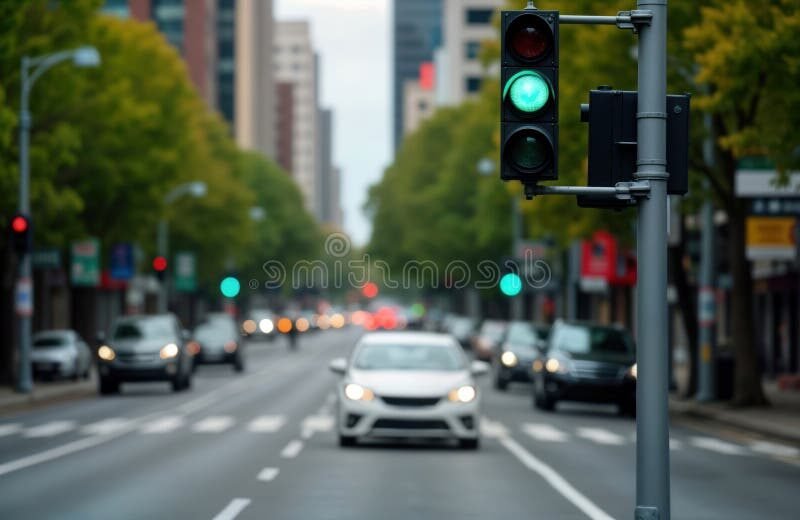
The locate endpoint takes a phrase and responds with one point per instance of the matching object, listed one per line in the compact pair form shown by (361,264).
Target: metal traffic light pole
(649,190)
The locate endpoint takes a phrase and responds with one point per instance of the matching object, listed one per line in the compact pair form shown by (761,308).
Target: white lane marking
(712,444)
(555,480)
(9,429)
(268,474)
(601,436)
(106,426)
(54,453)
(213,424)
(492,429)
(675,444)
(775,449)
(50,429)
(544,432)
(163,424)
(316,423)
(266,424)
(292,449)
(233,509)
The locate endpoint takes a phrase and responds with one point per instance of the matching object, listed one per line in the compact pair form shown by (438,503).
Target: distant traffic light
(230,287)
(20,227)
(369,290)
(160,267)
(529,83)
(511,284)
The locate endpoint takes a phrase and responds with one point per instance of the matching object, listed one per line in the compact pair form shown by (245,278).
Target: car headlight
(106,353)
(463,394)
(356,392)
(266,325)
(249,326)
(168,351)
(632,372)
(554,365)
(509,359)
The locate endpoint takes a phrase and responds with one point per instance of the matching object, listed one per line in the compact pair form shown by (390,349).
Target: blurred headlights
(193,348)
(537,365)
(266,325)
(168,351)
(356,392)
(230,347)
(249,326)
(554,365)
(464,394)
(509,359)
(302,325)
(106,353)
(632,371)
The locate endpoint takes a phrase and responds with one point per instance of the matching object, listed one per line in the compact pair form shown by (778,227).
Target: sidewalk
(781,420)
(45,393)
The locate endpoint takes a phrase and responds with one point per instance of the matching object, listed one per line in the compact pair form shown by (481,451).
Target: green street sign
(85,267)
(46,258)
(185,272)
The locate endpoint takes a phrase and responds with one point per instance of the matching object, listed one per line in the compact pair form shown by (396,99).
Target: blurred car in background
(519,348)
(61,353)
(216,341)
(586,362)
(144,348)
(462,328)
(408,385)
(259,324)
(486,342)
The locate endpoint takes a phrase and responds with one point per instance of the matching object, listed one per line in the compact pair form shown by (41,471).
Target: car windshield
(523,336)
(50,341)
(493,330)
(592,340)
(408,357)
(216,330)
(142,329)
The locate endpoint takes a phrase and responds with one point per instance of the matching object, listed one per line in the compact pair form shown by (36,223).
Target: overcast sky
(352,38)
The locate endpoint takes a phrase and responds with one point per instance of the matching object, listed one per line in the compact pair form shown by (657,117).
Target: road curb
(733,419)
(23,402)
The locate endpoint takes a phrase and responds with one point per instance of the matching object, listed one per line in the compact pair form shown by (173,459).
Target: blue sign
(121,264)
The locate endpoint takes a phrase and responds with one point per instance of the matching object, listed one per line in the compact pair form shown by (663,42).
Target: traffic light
(160,267)
(230,287)
(529,103)
(20,228)
(511,284)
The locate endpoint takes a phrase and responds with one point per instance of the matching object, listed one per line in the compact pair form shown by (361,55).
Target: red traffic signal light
(20,230)
(160,264)
(19,224)
(530,38)
(369,290)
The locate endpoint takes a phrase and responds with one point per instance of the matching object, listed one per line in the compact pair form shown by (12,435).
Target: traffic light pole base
(629,191)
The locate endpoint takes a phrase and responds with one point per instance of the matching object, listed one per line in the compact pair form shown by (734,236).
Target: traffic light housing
(529,96)
(611,115)
(160,267)
(21,233)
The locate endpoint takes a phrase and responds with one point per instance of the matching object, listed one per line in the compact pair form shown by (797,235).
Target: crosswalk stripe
(106,426)
(268,474)
(50,429)
(492,429)
(292,449)
(316,423)
(775,449)
(601,436)
(544,432)
(163,425)
(10,429)
(213,424)
(719,446)
(266,424)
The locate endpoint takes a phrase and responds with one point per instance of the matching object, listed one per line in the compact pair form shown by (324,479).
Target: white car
(61,353)
(410,385)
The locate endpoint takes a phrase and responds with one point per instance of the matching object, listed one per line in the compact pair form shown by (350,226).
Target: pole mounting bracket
(634,19)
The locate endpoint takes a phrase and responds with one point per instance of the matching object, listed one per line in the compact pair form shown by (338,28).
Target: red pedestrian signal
(160,264)
(20,228)
(19,224)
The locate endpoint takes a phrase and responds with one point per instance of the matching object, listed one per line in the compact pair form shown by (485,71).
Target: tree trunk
(747,389)
(688,303)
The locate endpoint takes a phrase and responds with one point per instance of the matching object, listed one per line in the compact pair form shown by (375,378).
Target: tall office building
(467,23)
(227,46)
(417,28)
(330,211)
(296,64)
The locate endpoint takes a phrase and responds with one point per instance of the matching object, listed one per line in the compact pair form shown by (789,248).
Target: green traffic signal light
(510,284)
(528,91)
(230,287)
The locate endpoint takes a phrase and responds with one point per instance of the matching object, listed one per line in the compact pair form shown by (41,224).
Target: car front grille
(596,370)
(131,357)
(410,401)
(410,424)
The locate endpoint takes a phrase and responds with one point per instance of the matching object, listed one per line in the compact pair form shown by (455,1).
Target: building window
(472,50)
(479,16)
(473,84)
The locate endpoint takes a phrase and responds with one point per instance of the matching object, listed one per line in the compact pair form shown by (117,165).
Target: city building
(419,98)
(416,33)
(285,129)
(330,211)
(467,23)
(296,64)
(227,48)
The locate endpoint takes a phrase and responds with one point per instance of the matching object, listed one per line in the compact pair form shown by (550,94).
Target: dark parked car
(216,340)
(486,342)
(144,348)
(586,362)
(520,347)
(462,328)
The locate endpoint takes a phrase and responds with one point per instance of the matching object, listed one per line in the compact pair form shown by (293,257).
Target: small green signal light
(230,287)
(528,91)
(510,284)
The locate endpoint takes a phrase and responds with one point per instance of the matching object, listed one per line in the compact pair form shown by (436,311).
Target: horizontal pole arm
(580,19)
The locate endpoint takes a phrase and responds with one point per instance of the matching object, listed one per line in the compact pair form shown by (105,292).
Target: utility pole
(518,301)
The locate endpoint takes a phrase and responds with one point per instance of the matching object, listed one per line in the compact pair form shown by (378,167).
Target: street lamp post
(195,189)
(31,70)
